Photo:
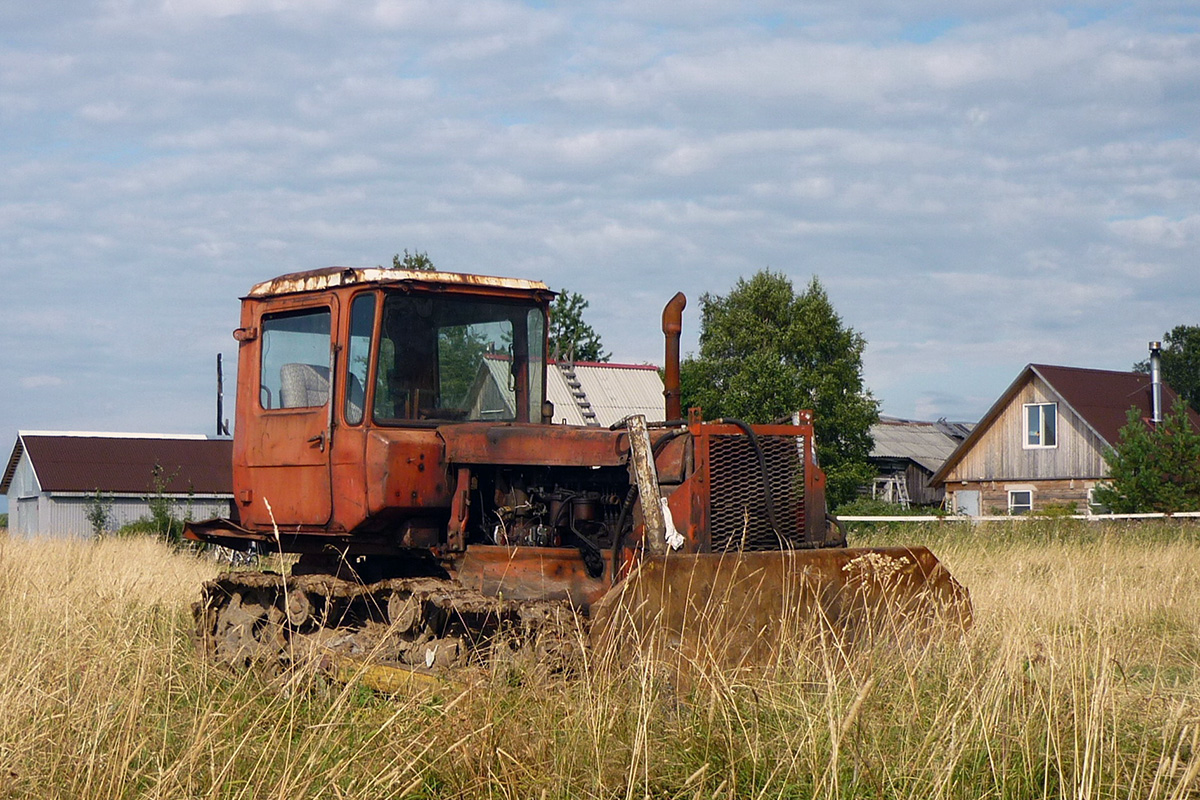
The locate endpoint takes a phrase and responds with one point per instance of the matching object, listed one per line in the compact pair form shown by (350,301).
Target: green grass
(1078,679)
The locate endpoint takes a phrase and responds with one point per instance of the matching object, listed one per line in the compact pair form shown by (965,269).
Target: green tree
(418,260)
(1153,467)
(766,352)
(570,336)
(1180,363)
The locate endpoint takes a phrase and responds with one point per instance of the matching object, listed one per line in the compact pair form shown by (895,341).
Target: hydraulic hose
(619,538)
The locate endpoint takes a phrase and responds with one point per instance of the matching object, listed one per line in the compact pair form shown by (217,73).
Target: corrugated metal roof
(614,391)
(922,442)
(83,462)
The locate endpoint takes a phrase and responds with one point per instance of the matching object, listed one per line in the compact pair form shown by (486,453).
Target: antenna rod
(1156,409)
(221,429)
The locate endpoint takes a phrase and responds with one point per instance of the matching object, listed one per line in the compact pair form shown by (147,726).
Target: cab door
(348,453)
(288,448)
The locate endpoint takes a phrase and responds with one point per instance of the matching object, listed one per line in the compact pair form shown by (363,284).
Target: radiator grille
(738,518)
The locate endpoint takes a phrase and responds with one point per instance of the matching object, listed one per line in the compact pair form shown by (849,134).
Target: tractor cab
(338,365)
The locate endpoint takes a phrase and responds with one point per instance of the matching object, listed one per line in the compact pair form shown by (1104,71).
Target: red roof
(1103,398)
(125,464)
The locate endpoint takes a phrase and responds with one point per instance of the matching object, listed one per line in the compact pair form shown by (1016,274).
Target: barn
(54,478)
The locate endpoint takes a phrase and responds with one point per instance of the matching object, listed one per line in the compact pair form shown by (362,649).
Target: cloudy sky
(979,184)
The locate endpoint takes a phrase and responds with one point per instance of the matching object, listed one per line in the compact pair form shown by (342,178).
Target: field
(1079,679)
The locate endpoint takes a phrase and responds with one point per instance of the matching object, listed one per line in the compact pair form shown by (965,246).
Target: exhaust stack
(1156,382)
(672,326)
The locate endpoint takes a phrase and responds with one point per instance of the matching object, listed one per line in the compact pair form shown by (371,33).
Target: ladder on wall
(892,489)
(578,394)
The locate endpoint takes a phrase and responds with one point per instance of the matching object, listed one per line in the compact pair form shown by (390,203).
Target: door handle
(319,440)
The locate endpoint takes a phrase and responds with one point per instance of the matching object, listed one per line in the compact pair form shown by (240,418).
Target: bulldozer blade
(735,609)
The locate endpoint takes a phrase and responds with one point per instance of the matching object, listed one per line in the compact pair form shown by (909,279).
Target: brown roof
(125,464)
(1101,398)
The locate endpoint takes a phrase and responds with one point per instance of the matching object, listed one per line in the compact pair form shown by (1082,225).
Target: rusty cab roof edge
(316,280)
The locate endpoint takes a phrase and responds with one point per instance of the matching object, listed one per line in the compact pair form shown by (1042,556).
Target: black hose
(769,501)
(619,538)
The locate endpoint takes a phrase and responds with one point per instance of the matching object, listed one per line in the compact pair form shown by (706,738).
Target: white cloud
(39,381)
(1159,231)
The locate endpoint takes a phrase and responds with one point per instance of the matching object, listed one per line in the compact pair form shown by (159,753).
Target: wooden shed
(906,454)
(1043,441)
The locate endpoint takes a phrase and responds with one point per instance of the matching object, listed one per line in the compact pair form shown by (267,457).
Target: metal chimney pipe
(672,327)
(1156,382)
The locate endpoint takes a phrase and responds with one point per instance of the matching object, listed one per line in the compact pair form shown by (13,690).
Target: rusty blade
(736,609)
(527,574)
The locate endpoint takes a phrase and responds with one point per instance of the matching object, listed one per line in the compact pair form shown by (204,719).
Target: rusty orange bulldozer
(392,431)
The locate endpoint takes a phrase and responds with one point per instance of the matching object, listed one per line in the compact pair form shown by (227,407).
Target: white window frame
(1025,508)
(1026,434)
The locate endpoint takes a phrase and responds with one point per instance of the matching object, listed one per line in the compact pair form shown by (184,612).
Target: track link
(263,619)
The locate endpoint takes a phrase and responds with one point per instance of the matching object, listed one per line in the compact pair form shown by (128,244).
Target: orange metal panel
(532,444)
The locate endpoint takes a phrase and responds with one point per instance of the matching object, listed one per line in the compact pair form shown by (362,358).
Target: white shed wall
(22,497)
(62,517)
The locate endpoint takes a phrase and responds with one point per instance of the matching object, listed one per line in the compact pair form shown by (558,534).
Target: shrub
(870,507)
(99,512)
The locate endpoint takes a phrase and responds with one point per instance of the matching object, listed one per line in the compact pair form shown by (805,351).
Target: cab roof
(315,280)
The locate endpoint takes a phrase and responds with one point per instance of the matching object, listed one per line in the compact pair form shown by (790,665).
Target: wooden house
(1043,441)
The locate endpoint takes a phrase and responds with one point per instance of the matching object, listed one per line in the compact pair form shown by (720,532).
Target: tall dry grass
(1078,680)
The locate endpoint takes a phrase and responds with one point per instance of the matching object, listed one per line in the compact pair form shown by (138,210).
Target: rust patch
(317,280)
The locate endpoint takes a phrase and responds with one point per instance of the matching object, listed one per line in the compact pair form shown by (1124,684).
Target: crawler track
(256,618)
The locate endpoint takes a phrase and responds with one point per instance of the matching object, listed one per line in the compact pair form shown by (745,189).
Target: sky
(978,184)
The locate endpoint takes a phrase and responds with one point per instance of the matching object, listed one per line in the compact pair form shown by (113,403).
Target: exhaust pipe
(672,326)
(1156,382)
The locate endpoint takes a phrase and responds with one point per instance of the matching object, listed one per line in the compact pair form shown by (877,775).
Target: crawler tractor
(392,429)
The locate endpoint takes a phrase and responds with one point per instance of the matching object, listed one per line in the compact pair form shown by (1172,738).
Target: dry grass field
(1079,679)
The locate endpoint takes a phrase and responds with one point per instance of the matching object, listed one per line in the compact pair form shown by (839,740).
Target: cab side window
(358,356)
(294,367)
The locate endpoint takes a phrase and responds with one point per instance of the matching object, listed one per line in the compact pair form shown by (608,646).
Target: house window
(1020,501)
(1041,425)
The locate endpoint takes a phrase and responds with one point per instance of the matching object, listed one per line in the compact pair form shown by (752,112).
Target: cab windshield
(449,358)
